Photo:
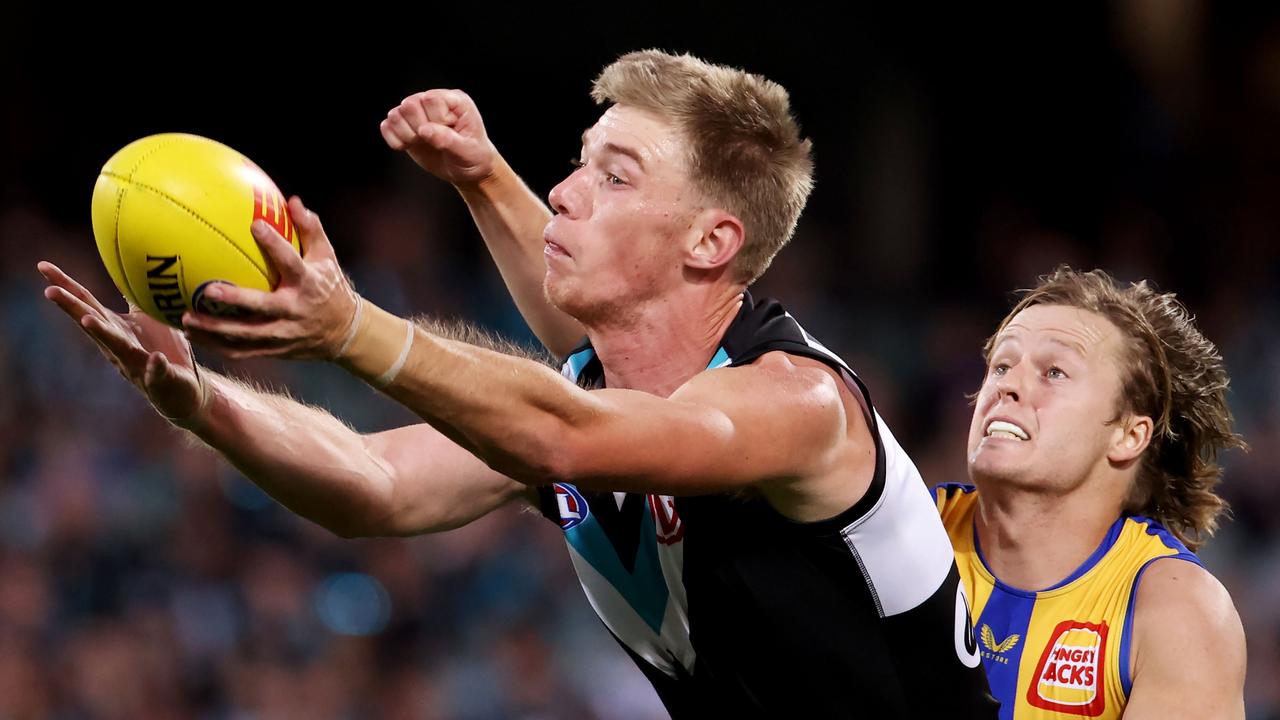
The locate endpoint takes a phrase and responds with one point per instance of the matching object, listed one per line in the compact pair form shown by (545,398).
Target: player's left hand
(306,316)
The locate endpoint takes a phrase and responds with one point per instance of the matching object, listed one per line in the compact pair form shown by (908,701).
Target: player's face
(615,241)
(1043,418)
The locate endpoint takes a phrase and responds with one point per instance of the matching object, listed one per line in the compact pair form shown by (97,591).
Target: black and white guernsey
(734,611)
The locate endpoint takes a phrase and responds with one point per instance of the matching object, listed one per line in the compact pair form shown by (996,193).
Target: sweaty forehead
(1085,331)
(647,134)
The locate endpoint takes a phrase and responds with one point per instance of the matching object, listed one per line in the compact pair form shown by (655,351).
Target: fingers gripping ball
(171,216)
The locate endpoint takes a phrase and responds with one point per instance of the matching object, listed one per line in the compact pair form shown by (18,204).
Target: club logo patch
(1069,676)
(666,521)
(573,507)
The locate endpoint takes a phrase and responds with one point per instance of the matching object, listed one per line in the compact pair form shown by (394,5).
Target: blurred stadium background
(959,156)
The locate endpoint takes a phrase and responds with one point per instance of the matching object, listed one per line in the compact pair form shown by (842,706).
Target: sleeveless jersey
(733,610)
(1062,652)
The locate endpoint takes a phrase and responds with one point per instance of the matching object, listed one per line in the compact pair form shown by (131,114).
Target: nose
(568,198)
(1009,385)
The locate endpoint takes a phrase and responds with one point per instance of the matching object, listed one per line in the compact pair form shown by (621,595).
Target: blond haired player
(739,516)
(1093,452)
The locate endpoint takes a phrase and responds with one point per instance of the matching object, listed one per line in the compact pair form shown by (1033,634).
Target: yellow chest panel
(1061,652)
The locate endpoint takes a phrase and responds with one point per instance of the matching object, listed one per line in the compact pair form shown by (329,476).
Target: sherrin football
(171,215)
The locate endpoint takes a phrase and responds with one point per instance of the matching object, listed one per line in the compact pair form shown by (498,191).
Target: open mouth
(1006,429)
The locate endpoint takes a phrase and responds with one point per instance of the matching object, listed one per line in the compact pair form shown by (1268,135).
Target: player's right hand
(153,356)
(443,132)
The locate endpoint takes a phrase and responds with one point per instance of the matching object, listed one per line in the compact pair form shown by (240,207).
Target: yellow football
(171,215)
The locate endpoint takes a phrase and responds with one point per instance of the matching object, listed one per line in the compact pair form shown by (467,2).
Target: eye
(999,370)
(615,180)
(576,163)
(1056,373)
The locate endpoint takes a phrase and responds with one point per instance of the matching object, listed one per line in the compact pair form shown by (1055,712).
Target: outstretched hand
(306,316)
(153,356)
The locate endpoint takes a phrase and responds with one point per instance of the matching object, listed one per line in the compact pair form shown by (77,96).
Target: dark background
(960,154)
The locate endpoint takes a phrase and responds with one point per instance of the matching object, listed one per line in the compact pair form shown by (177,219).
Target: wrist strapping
(379,347)
(351,331)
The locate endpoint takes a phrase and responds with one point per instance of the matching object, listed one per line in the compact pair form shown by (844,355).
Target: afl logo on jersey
(666,521)
(1069,676)
(573,507)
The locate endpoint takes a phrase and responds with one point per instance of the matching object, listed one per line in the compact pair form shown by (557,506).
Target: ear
(1132,437)
(718,242)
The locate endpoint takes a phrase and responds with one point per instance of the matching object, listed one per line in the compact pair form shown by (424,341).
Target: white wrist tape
(351,331)
(389,376)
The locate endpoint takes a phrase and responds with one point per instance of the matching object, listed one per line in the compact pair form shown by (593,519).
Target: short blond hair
(746,152)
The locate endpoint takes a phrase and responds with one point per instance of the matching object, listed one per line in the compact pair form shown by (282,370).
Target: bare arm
(1189,653)
(406,481)
(443,132)
(400,482)
(771,422)
(777,423)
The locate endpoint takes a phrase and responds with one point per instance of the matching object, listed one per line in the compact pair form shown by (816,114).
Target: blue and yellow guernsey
(1061,652)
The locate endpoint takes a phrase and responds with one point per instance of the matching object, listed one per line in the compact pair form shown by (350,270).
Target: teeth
(1000,428)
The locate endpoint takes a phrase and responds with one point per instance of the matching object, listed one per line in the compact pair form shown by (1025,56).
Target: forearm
(511,220)
(306,459)
(510,412)
(525,421)
(719,431)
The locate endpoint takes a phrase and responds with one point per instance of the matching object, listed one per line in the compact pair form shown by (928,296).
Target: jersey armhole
(546,503)
(1126,636)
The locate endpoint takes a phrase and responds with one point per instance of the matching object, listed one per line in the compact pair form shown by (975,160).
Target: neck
(660,345)
(1032,539)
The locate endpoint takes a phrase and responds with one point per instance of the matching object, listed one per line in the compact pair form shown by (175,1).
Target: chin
(589,308)
(992,470)
(570,300)
(1023,477)
(551,292)
(560,292)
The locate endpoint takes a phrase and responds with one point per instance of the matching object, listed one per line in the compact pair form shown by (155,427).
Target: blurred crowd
(141,577)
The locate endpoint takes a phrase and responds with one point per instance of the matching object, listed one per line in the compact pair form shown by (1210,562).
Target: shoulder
(799,408)
(775,377)
(1180,596)
(1182,611)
